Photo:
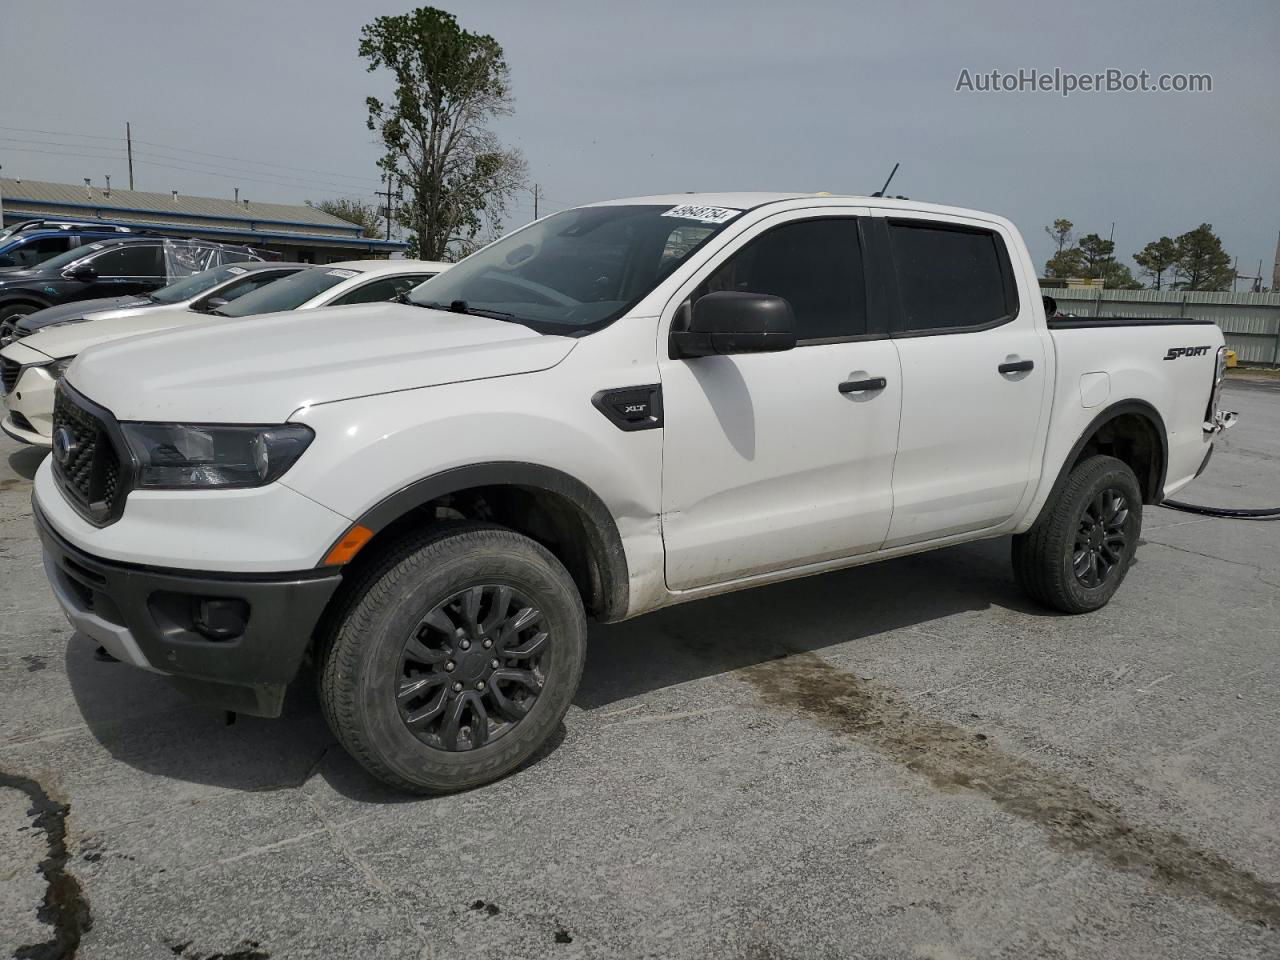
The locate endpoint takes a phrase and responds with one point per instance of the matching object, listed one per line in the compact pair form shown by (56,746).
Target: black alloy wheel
(1102,538)
(471,669)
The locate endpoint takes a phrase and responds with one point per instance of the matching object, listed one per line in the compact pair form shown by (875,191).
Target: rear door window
(951,278)
(132,260)
(27,253)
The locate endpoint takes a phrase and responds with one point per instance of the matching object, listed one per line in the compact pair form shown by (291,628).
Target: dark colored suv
(31,242)
(110,267)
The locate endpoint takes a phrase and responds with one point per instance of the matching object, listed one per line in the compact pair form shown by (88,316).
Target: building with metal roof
(298,232)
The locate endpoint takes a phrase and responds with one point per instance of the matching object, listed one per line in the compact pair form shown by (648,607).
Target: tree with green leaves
(1065,263)
(449,84)
(1201,263)
(1156,259)
(1094,254)
(1060,233)
(362,214)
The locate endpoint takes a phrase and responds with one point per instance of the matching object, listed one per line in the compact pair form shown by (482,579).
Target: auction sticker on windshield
(694,211)
(344,274)
(236,270)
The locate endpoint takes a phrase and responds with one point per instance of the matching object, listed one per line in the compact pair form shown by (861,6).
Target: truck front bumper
(234,642)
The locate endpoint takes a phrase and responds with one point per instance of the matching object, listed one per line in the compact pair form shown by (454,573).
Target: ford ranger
(616,408)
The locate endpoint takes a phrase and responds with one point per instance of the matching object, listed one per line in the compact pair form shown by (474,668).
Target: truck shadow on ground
(736,630)
(145,723)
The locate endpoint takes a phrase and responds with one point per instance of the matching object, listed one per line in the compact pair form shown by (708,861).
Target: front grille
(9,370)
(85,461)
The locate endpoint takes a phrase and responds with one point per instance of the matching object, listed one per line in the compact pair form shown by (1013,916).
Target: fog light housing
(220,618)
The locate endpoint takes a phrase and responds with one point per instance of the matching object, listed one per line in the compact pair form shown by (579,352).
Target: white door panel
(970,426)
(968,432)
(767,465)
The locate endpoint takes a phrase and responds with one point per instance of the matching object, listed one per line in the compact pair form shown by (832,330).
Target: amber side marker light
(346,548)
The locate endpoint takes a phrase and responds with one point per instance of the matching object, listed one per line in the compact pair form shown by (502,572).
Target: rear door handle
(1017,366)
(855,386)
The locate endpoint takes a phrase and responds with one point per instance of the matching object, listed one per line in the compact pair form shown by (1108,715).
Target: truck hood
(262,369)
(68,341)
(77,309)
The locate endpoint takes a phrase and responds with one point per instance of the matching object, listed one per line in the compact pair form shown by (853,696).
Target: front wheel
(1077,554)
(456,658)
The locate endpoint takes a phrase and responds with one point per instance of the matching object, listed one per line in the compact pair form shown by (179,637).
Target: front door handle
(1017,366)
(855,386)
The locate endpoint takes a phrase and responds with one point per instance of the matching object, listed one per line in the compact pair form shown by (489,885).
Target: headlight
(182,455)
(59,367)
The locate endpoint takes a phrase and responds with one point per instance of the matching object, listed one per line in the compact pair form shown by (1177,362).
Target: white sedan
(31,367)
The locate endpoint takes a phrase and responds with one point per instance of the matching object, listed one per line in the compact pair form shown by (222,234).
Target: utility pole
(390,179)
(535,201)
(128,139)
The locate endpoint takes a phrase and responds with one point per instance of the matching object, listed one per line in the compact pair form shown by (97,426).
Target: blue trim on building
(250,232)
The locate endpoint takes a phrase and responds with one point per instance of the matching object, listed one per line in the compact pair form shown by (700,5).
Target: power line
(165,146)
(200,166)
(90,156)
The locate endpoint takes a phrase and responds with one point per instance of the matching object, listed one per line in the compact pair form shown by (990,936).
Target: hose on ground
(1232,513)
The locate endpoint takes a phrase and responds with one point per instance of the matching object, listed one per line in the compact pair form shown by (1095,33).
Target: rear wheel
(1077,554)
(456,659)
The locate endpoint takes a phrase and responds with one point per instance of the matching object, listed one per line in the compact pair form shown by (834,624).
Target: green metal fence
(1250,321)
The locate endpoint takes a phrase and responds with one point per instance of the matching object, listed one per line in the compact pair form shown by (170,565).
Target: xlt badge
(632,408)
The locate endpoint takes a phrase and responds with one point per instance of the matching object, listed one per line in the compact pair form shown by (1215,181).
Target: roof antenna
(880,192)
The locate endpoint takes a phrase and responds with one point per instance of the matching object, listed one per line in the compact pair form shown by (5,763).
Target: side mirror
(83,272)
(1050,306)
(7,261)
(728,322)
(213,303)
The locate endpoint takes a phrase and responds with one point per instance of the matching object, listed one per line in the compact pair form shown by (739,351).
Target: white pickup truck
(613,409)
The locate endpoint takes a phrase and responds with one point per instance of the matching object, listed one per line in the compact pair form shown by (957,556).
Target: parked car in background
(108,268)
(337,284)
(201,292)
(33,241)
(30,368)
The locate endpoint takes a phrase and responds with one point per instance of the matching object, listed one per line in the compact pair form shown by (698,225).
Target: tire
(405,626)
(1084,521)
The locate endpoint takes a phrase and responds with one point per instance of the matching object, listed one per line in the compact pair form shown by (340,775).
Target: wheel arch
(1133,432)
(550,506)
(10,297)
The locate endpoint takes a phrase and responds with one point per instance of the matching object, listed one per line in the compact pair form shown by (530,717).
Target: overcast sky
(662,97)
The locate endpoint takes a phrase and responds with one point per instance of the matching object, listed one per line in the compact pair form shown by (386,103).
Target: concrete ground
(906,760)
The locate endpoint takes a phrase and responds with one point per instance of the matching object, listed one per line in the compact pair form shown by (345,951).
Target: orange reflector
(348,546)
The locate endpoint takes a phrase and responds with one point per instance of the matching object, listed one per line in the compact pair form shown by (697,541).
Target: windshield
(578,270)
(58,261)
(287,294)
(194,285)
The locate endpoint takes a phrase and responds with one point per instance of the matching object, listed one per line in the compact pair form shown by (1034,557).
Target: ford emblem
(64,446)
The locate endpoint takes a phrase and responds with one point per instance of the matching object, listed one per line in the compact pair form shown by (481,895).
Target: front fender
(374,454)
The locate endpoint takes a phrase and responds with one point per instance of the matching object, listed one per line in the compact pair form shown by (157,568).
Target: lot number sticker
(344,274)
(694,211)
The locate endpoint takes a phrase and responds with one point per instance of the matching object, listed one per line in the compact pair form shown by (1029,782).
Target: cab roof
(755,200)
